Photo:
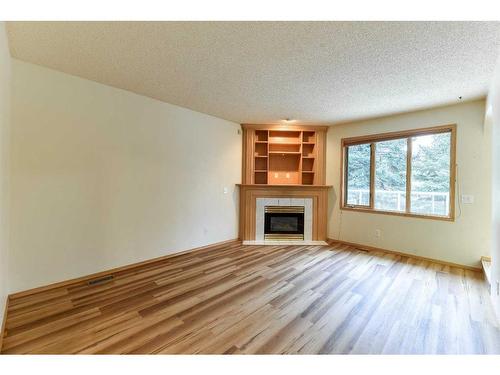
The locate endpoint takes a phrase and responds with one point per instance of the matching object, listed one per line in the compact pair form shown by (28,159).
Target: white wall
(463,241)
(102,177)
(492,120)
(5,76)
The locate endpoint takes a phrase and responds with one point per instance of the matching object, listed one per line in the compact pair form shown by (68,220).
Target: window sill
(418,216)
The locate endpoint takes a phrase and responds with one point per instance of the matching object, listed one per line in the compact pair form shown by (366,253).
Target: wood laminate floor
(264,299)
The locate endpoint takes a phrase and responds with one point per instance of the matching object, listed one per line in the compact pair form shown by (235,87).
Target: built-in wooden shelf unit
(284,155)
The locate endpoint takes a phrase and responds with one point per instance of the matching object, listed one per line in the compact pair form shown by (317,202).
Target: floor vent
(363,250)
(100,280)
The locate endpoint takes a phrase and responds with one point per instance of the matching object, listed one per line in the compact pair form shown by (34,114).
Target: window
(358,171)
(390,175)
(430,174)
(404,173)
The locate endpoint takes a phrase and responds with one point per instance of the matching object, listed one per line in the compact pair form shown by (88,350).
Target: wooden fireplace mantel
(250,192)
(302,187)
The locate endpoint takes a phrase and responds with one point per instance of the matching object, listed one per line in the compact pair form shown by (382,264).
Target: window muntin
(395,188)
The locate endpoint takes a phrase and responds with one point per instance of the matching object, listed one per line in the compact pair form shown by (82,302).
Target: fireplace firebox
(284,223)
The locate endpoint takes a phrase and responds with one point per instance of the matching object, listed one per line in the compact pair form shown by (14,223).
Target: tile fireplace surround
(261,203)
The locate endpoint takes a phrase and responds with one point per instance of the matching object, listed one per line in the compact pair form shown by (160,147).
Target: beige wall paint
(5,76)
(492,121)
(463,241)
(102,177)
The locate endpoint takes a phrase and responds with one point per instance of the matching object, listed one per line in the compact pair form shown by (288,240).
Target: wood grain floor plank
(236,299)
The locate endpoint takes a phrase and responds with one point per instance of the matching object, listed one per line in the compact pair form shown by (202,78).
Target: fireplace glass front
(284,223)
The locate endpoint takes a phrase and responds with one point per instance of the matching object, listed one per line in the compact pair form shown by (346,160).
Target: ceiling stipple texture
(259,72)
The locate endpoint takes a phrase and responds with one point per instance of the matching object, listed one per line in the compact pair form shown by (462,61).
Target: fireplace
(284,223)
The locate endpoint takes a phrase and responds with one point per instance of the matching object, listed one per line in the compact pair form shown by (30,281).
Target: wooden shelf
(285,142)
(260,164)
(261,149)
(285,137)
(308,137)
(261,135)
(261,177)
(308,164)
(284,155)
(308,178)
(308,149)
(284,148)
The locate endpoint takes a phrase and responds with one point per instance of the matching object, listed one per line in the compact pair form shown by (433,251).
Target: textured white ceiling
(261,72)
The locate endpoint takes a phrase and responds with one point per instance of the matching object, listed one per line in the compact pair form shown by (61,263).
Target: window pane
(430,174)
(358,175)
(390,175)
